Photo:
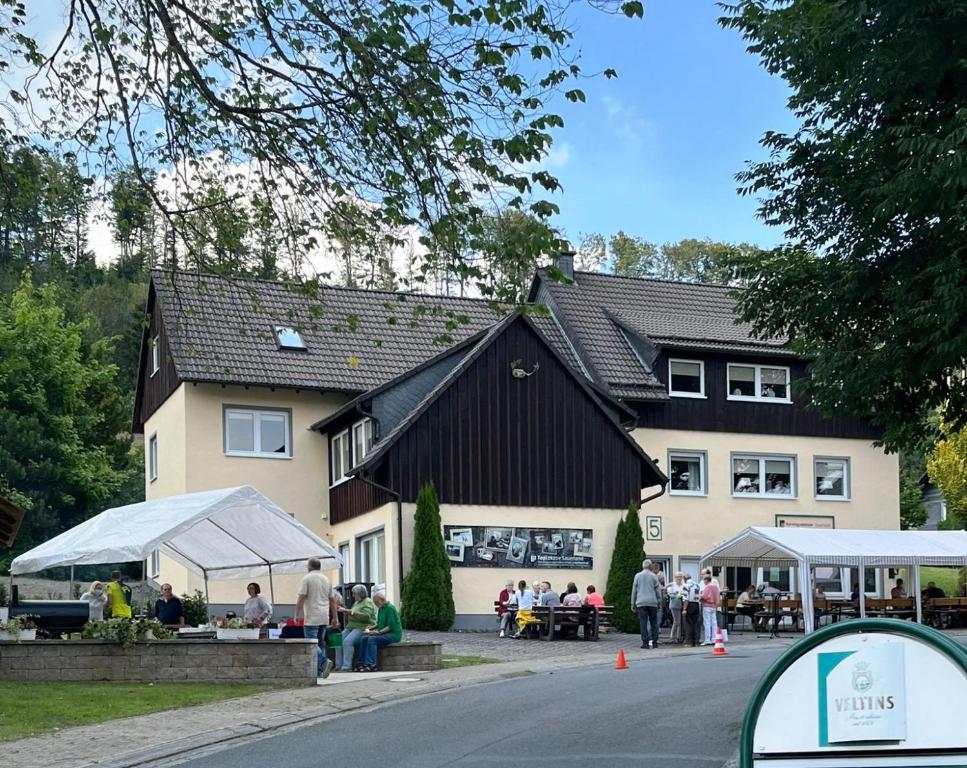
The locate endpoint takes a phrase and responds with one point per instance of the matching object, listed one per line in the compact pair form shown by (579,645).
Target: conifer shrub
(427,602)
(626,560)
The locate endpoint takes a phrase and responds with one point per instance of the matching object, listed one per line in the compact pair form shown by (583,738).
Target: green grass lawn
(27,709)
(449,662)
(946,579)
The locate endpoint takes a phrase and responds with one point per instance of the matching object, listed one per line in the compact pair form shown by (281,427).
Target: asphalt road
(673,712)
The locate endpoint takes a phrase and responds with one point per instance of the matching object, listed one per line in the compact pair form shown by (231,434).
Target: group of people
(515,606)
(370,623)
(693,605)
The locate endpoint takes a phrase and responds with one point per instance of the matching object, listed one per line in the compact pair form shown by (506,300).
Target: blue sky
(655,151)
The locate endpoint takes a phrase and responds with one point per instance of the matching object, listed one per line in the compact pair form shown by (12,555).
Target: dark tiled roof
(689,315)
(220,330)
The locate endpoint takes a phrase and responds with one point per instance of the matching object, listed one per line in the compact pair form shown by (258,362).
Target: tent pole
(917,596)
(806,593)
(271,587)
(862,591)
(208,604)
(70,590)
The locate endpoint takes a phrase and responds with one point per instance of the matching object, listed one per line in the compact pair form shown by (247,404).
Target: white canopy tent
(806,548)
(231,533)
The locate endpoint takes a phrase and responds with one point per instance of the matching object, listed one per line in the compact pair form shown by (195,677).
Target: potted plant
(18,628)
(125,631)
(236,629)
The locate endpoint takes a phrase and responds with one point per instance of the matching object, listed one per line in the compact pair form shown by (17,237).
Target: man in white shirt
(316,601)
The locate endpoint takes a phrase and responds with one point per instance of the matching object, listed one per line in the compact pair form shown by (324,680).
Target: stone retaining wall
(274,662)
(411,657)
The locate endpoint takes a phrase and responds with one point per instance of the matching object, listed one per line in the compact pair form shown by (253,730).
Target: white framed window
(257,432)
(345,573)
(771,477)
(153,457)
(362,440)
(769,383)
(783,579)
(370,560)
(155,355)
(687,473)
(686,378)
(832,478)
(154,566)
(340,458)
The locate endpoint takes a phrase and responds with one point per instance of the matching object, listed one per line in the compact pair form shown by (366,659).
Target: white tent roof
(759,546)
(230,533)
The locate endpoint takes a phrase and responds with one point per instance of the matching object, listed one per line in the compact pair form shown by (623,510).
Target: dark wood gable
(153,390)
(491,438)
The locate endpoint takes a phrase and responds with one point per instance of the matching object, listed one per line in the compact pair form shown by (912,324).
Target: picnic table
(556,620)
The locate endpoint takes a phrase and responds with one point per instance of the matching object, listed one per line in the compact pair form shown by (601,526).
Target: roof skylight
(288,338)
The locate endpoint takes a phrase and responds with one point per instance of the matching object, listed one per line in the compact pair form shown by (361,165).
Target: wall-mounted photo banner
(496,547)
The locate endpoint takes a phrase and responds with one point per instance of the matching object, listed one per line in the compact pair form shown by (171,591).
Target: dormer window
(289,338)
(686,378)
(759,382)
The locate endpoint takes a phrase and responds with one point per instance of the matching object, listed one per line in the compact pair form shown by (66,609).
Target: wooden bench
(943,612)
(902,608)
(786,609)
(560,619)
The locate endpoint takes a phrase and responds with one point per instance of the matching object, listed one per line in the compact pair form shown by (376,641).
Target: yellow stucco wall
(351,531)
(692,525)
(189,425)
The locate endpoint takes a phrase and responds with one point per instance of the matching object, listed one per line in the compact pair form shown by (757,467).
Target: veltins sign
(861,695)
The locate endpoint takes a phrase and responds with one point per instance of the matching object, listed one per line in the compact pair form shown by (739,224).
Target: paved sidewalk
(162,736)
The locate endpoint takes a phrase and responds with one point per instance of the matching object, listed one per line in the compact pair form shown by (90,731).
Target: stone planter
(237,634)
(26,634)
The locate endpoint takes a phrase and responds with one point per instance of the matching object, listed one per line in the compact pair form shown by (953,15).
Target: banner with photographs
(496,547)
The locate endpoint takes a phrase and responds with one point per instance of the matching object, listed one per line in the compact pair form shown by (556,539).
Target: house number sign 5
(653,528)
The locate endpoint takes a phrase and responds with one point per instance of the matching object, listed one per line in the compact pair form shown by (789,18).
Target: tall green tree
(510,247)
(632,256)
(428,589)
(947,467)
(871,193)
(626,558)
(64,448)
(418,110)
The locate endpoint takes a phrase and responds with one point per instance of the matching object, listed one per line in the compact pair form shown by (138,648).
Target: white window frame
(702,457)
(758,398)
(155,355)
(345,573)
(154,564)
(357,460)
(760,578)
(762,458)
(257,415)
(339,477)
(378,537)
(847,479)
(701,378)
(153,457)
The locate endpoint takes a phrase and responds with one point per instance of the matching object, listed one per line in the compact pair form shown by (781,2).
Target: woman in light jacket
(675,592)
(96,599)
(358,618)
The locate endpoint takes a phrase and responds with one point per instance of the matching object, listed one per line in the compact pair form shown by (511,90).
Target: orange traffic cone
(621,663)
(719,649)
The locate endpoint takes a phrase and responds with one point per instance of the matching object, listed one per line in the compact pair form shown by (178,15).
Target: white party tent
(806,548)
(231,533)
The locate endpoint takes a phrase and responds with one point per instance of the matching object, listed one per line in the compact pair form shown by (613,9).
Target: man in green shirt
(388,630)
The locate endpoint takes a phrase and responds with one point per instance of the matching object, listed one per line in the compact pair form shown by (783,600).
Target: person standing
(168,610)
(96,600)
(118,597)
(256,609)
(316,602)
(710,602)
(645,601)
(691,602)
(675,592)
